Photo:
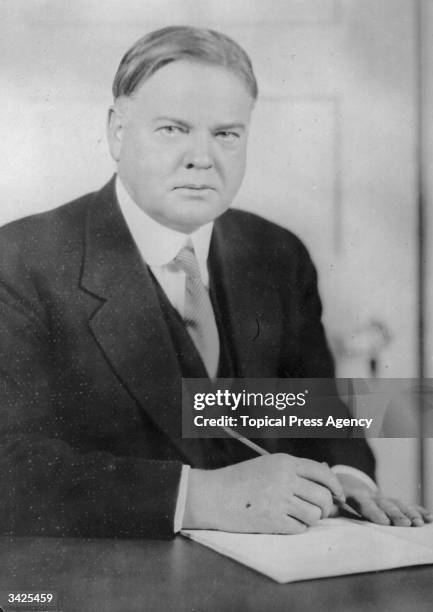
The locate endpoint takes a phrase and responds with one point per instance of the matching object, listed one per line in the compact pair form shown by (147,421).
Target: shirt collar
(158,244)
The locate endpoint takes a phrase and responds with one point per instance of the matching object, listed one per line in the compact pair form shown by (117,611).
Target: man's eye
(227,136)
(171,130)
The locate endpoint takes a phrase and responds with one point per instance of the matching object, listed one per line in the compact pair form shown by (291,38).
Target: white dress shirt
(158,246)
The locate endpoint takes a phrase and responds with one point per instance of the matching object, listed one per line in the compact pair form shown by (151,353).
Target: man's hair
(159,48)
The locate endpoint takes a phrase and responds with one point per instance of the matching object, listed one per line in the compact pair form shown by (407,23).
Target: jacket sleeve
(309,356)
(48,487)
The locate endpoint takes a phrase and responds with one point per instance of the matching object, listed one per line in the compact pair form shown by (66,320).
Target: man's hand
(380,509)
(275,493)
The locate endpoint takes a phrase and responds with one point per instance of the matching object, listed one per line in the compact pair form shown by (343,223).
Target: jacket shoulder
(42,229)
(44,249)
(259,233)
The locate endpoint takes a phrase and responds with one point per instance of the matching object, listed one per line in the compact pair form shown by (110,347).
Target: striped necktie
(198,314)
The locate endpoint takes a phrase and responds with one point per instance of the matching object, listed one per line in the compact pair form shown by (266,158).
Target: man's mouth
(195,187)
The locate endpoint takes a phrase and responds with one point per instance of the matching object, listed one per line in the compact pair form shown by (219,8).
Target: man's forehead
(194,78)
(193,92)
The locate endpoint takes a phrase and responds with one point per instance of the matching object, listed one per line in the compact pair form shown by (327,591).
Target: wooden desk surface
(143,575)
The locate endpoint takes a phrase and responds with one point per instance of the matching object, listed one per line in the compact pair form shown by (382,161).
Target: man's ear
(115,120)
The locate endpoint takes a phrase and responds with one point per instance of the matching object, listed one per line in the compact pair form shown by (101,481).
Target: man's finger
(416,514)
(321,474)
(282,522)
(368,508)
(426,514)
(303,511)
(293,526)
(393,511)
(314,493)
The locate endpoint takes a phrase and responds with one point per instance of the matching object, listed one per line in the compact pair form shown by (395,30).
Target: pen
(338,501)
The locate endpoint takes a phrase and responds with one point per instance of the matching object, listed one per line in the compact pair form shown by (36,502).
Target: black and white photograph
(216,305)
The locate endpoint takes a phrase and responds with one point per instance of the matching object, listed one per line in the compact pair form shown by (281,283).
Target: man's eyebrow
(230,126)
(173,120)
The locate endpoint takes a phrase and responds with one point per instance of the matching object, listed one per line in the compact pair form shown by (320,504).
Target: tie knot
(187,260)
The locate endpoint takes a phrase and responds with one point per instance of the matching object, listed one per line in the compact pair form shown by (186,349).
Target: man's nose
(199,153)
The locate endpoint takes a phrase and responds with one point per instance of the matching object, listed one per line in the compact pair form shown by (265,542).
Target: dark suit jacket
(90,384)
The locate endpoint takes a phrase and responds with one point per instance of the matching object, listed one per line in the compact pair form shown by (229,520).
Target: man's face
(180,142)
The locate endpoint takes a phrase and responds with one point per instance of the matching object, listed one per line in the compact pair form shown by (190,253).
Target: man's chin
(193,216)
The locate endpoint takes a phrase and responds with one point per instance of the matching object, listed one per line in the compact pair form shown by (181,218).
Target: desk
(154,576)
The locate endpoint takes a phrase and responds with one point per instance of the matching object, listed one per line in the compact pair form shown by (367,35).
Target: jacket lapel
(129,325)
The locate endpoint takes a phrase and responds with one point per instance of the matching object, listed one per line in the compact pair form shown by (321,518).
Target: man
(106,302)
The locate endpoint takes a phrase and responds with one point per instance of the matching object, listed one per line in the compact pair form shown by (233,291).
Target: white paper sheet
(334,547)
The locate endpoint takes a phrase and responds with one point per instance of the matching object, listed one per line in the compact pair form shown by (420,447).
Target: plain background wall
(332,151)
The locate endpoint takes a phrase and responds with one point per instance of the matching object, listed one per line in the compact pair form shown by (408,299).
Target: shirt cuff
(181,499)
(361,476)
